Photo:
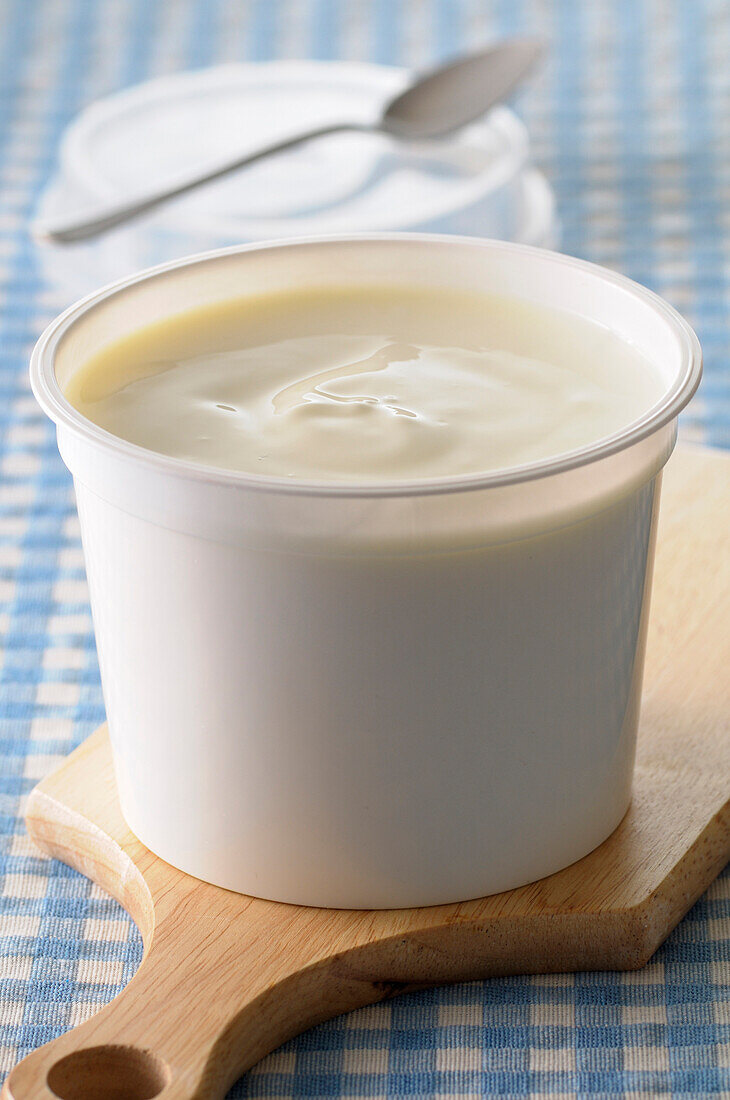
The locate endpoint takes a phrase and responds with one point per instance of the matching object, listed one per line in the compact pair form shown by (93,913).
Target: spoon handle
(107,217)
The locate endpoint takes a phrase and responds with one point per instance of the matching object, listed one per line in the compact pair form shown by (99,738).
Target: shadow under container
(379,695)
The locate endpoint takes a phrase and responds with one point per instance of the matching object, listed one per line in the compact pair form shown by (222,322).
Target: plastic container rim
(50,397)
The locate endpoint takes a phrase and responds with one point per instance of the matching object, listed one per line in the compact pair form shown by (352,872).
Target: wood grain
(226,978)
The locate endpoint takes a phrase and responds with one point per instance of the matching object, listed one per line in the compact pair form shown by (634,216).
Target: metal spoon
(437,103)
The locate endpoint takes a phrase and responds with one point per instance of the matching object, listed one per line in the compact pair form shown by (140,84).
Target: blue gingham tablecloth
(630,119)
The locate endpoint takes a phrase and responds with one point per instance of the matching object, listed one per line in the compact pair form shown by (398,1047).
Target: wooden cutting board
(226,978)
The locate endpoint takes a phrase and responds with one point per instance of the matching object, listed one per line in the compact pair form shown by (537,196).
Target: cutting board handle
(144,1044)
(210,999)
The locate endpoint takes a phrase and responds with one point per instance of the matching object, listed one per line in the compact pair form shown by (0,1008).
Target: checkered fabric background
(630,119)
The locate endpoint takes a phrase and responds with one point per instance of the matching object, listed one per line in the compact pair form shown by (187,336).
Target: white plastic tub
(371,696)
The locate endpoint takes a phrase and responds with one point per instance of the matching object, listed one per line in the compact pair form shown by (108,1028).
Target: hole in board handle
(108,1073)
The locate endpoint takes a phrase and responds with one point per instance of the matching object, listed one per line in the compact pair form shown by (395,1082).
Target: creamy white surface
(367,384)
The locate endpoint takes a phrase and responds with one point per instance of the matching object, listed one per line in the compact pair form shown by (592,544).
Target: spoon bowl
(457,93)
